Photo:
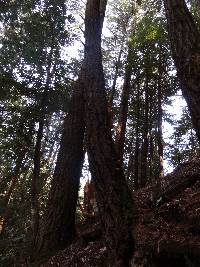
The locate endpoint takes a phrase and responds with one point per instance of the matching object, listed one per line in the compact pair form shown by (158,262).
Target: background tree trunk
(160,135)
(145,138)
(137,141)
(57,229)
(35,188)
(185,43)
(123,115)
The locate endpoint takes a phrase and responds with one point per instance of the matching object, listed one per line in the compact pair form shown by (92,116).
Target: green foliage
(37,75)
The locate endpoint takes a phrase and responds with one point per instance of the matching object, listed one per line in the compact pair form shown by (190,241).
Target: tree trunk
(113,196)
(113,89)
(123,115)
(137,142)
(185,43)
(145,144)
(11,187)
(36,179)
(57,228)
(151,155)
(117,65)
(159,130)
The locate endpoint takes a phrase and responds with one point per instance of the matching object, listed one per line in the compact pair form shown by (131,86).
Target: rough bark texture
(113,196)
(57,229)
(185,42)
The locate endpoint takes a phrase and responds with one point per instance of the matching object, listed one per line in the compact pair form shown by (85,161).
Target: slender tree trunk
(185,43)
(117,65)
(130,167)
(11,187)
(35,188)
(57,229)
(36,179)
(137,142)
(113,89)
(145,138)
(129,170)
(159,130)
(113,196)
(151,155)
(55,139)
(123,115)
(20,162)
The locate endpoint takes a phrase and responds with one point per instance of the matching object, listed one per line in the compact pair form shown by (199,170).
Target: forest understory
(167,231)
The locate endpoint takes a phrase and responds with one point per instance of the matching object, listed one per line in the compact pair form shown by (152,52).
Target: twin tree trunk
(113,196)
(185,42)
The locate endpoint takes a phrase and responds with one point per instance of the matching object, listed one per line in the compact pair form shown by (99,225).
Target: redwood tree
(57,228)
(185,43)
(113,196)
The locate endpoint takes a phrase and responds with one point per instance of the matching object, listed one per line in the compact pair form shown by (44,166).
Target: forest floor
(167,231)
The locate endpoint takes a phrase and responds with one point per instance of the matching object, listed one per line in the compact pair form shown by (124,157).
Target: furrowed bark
(113,196)
(185,44)
(57,229)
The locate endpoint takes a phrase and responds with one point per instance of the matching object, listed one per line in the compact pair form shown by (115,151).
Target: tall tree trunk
(137,144)
(185,43)
(57,229)
(151,155)
(159,129)
(113,196)
(150,158)
(123,114)
(36,179)
(145,138)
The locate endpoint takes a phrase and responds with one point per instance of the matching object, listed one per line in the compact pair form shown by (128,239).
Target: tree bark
(57,229)
(113,196)
(185,43)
